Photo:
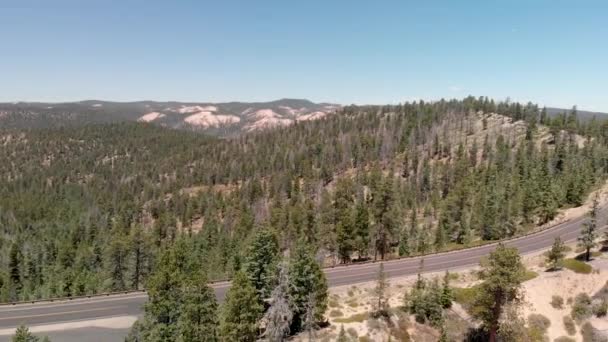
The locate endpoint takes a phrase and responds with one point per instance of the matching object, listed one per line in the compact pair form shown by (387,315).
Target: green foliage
(556,254)
(588,234)
(425,302)
(90,209)
(466,297)
(180,307)
(446,292)
(241,311)
(307,284)
(600,309)
(22,334)
(502,275)
(529,275)
(260,265)
(577,266)
(581,308)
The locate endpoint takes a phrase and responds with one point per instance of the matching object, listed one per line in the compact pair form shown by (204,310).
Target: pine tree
(502,276)
(22,334)
(241,311)
(140,256)
(306,278)
(343,219)
(15,259)
(446,292)
(178,287)
(279,315)
(556,254)
(261,260)
(380,296)
(117,258)
(197,319)
(362,229)
(588,234)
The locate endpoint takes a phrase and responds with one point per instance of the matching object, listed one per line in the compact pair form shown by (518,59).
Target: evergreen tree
(262,257)
(556,254)
(588,234)
(197,318)
(241,311)
(380,296)
(502,276)
(22,334)
(306,278)
(362,230)
(177,287)
(15,259)
(446,292)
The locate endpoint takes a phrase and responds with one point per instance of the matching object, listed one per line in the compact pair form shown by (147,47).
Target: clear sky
(552,52)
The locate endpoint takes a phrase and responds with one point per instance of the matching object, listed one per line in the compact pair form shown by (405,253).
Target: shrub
(577,266)
(539,322)
(590,334)
(365,339)
(600,309)
(581,309)
(335,313)
(352,332)
(557,302)
(569,325)
(564,339)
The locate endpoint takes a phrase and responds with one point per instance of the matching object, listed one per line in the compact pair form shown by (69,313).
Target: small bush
(334,303)
(590,334)
(557,302)
(577,266)
(335,313)
(352,332)
(356,318)
(564,339)
(569,325)
(365,339)
(581,309)
(539,322)
(600,309)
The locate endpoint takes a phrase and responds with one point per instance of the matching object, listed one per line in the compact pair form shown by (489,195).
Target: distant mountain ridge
(582,114)
(222,119)
(215,118)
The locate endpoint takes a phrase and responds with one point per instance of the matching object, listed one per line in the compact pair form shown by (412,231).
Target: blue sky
(552,52)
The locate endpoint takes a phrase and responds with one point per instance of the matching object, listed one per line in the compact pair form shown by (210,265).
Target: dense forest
(92,209)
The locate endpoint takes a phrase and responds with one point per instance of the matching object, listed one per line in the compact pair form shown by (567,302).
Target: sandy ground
(117,323)
(352,303)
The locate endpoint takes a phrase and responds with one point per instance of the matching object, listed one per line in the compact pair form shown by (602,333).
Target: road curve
(48,313)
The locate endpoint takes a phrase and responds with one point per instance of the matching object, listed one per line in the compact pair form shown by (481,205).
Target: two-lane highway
(79,310)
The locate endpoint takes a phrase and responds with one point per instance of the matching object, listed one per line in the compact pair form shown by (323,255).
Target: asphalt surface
(91,309)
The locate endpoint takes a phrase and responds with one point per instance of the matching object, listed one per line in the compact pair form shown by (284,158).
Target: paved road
(49,313)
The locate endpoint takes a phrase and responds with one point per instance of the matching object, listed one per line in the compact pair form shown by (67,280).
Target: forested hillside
(88,209)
